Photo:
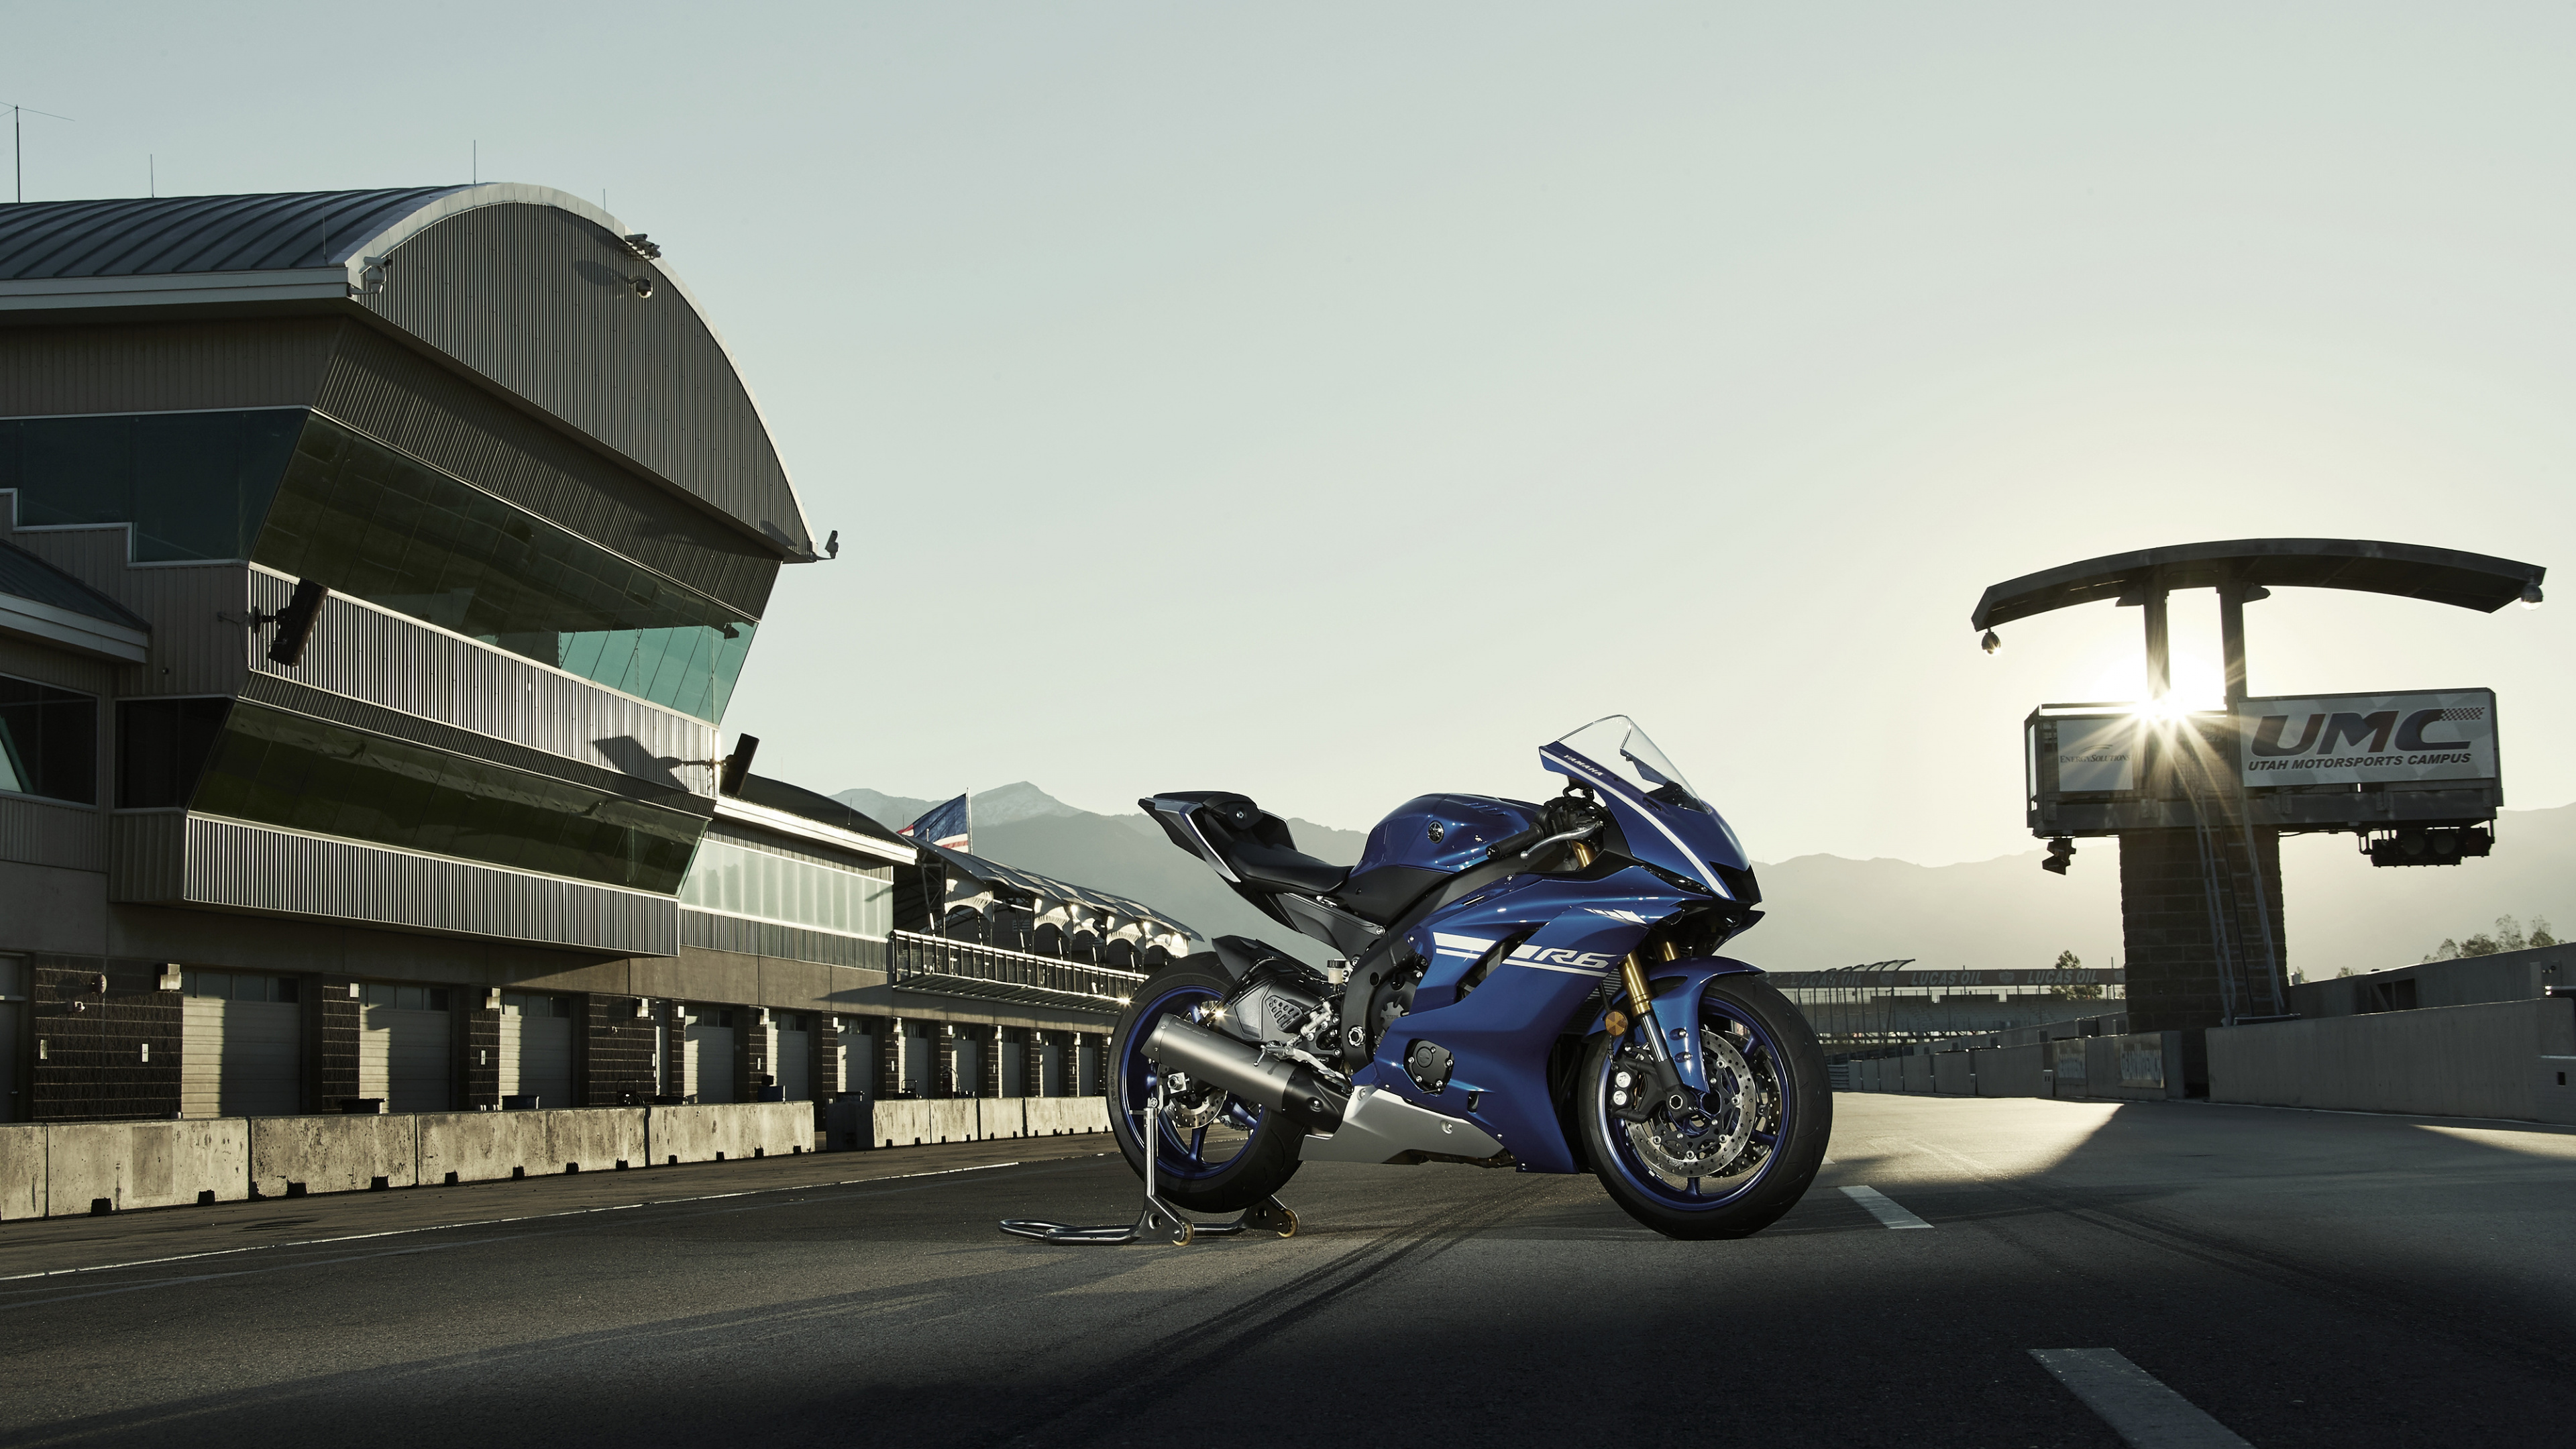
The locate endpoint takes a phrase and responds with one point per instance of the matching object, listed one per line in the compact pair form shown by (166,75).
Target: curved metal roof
(167,235)
(302,248)
(2407,570)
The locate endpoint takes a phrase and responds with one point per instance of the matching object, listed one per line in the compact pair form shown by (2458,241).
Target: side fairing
(1508,971)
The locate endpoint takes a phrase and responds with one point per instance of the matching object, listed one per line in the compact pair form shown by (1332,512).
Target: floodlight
(2531,596)
(1991,642)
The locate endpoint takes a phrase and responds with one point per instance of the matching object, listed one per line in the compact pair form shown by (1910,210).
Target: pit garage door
(240,1045)
(536,1048)
(1015,1059)
(406,1049)
(792,1060)
(921,1058)
(859,1061)
(711,1056)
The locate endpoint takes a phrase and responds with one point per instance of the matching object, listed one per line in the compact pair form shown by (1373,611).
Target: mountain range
(1825,911)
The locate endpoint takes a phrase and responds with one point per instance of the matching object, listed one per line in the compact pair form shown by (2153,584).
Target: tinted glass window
(48,742)
(276,768)
(235,986)
(740,881)
(161,744)
(194,485)
(373,523)
(405,998)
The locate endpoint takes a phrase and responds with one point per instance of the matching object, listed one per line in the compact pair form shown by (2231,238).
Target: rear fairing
(1546,944)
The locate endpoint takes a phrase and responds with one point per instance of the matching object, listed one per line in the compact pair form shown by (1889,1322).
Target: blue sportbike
(1531,986)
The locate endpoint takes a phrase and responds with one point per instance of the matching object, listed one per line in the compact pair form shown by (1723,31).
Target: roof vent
(644,246)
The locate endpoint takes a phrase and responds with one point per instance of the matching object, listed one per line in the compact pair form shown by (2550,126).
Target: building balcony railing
(939,967)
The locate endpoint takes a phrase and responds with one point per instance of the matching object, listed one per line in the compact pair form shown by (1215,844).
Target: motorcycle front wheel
(1732,1162)
(1215,1152)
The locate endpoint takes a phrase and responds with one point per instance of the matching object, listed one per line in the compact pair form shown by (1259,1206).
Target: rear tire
(1779,1094)
(1220,1154)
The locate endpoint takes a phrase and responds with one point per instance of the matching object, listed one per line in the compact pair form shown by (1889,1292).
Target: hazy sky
(1335,402)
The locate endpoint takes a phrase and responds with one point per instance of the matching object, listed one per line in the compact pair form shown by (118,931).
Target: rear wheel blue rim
(1183,1154)
(1760,1049)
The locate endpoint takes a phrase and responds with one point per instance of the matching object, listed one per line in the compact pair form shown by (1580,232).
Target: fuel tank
(1443,833)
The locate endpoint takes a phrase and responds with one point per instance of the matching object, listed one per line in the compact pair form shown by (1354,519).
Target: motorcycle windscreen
(1666,822)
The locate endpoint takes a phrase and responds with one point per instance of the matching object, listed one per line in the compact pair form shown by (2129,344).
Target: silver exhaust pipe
(1240,1068)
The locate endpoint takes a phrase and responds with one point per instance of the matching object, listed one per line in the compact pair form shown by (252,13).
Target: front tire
(1218,1152)
(1731,1165)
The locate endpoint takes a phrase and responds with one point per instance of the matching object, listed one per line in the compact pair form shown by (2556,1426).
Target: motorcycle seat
(1282,869)
(1254,843)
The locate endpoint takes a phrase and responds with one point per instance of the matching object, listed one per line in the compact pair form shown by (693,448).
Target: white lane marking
(2143,1412)
(496,1222)
(1881,1208)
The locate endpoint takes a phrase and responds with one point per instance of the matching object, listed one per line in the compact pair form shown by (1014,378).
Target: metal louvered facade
(244,867)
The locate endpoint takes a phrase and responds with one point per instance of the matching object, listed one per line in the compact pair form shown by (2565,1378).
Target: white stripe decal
(1568,970)
(1601,780)
(1459,943)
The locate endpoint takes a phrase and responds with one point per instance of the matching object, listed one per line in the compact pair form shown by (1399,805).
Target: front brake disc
(1704,1143)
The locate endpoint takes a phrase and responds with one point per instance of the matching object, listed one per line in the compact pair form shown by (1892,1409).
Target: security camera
(643,286)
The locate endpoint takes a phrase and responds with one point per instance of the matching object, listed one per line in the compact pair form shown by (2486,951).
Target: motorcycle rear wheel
(1767,1088)
(1218,1152)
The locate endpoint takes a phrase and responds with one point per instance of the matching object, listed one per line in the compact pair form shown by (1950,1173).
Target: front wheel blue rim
(1187,1151)
(1774,1106)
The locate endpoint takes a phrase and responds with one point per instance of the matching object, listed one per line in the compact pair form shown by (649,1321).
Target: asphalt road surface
(2298,1278)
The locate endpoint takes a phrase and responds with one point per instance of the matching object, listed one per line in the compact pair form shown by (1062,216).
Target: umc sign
(2200,800)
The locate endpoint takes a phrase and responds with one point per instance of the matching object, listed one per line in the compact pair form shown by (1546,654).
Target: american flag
(946,826)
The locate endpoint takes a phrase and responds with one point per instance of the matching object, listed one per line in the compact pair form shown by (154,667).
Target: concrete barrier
(145,1164)
(2066,1066)
(487,1146)
(729,1132)
(2138,1067)
(1917,1074)
(2444,1061)
(295,1155)
(1953,1074)
(1056,1116)
(22,1171)
(604,1139)
(2013,1071)
(2553,1094)
(856,1122)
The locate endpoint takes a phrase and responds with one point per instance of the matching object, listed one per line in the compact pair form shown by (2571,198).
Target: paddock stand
(1158,1217)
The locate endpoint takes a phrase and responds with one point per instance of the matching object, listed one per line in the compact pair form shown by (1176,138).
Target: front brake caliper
(1638,1086)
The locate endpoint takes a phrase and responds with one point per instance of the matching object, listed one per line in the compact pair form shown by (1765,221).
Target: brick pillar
(479,1073)
(830,1049)
(103,1054)
(1096,1083)
(2177,911)
(333,1018)
(988,1061)
(614,1052)
(751,1045)
(1033,1062)
(944,1080)
(891,1045)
